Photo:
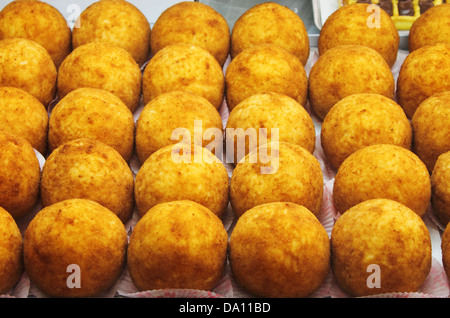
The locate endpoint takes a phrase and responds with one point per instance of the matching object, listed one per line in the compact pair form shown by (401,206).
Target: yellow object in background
(402,22)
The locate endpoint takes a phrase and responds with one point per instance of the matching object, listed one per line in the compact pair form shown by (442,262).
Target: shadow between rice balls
(445,249)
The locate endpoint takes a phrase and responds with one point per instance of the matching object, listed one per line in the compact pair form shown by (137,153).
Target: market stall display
(196,216)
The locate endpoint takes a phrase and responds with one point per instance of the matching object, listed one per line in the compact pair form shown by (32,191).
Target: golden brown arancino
(75,241)
(380,246)
(177,244)
(279,249)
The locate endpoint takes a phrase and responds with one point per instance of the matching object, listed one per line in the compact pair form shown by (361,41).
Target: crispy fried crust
(269,111)
(177,244)
(192,23)
(116,22)
(184,67)
(88,169)
(102,66)
(332,77)
(423,73)
(28,66)
(96,114)
(349,25)
(431,126)
(382,171)
(279,249)
(361,120)
(292,175)
(271,23)
(440,187)
(432,27)
(79,232)
(163,177)
(20,175)
(40,22)
(384,233)
(11,252)
(24,116)
(265,68)
(170,111)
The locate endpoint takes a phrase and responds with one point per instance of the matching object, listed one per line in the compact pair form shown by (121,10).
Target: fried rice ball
(271,23)
(277,172)
(28,66)
(361,120)
(96,114)
(117,22)
(11,252)
(349,25)
(380,242)
(382,171)
(103,66)
(445,249)
(345,70)
(259,115)
(423,73)
(431,127)
(40,22)
(170,111)
(176,172)
(75,241)
(88,169)
(440,188)
(24,116)
(177,244)
(20,175)
(431,27)
(192,23)
(265,68)
(184,67)
(279,249)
